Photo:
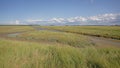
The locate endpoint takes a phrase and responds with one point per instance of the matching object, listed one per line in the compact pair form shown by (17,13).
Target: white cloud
(108,19)
(17,22)
(76,19)
(80,19)
(31,20)
(59,20)
(98,19)
(70,20)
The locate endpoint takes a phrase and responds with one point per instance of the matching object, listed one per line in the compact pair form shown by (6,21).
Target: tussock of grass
(59,37)
(17,54)
(100,31)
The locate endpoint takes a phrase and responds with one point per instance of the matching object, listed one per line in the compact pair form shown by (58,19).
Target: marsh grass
(99,31)
(59,37)
(17,54)
(13,29)
(66,50)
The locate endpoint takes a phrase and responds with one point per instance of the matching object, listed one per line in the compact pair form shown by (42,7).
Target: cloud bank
(104,19)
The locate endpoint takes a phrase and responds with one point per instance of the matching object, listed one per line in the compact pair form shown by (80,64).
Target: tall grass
(68,50)
(19,54)
(102,31)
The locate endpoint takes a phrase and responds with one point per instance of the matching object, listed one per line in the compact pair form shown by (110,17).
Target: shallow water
(13,34)
(39,29)
(99,41)
(104,42)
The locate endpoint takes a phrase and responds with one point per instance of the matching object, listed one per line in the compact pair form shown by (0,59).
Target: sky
(60,12)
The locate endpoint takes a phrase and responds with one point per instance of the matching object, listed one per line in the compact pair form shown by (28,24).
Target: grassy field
(99,31)
(12,29)
(59,37)
(49,49)
(19,54)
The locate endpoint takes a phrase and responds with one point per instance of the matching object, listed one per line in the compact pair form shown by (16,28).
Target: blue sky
(46,10)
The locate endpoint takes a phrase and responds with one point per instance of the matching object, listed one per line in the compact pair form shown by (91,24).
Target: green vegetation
(19,54)
(100,31)
(59,37)
(12,29)
(26,47)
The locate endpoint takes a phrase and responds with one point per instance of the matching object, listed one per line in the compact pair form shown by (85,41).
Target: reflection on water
(13,34)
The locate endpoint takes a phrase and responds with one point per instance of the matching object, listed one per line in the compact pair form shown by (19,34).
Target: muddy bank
(104,42)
